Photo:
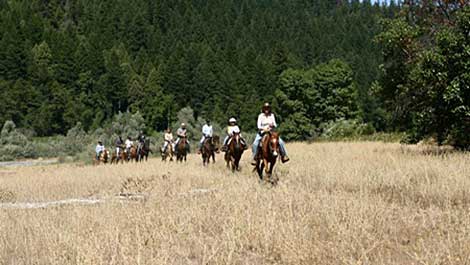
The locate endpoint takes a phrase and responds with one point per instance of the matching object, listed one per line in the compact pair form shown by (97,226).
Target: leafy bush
(346,129)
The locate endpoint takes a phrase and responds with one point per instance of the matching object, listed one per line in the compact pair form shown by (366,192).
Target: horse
(143,151)
(116,157)
(234,152)
(267,156)
(132,155)
(182,149)
(103,158)
(209,147)
(167,152)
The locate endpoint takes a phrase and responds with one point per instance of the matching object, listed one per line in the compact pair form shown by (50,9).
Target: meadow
(336,203)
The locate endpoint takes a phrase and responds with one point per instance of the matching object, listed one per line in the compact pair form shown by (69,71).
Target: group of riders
(123,146)
(266,123)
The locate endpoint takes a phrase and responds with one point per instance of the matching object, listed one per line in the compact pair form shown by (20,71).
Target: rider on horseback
(119,143)
(129,144)
(267,122)
(99,149)
(181,133)
(168,140)
(141,139)
(231,129)
(207,132)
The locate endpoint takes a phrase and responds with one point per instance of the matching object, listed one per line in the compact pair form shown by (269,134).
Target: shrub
(345,129)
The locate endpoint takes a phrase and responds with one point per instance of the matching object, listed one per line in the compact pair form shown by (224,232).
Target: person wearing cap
(168,139)
(266,123)
(207,132)
(99,149)
(231,129)
(181,133)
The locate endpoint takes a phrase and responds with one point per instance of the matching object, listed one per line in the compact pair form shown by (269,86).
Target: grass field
(336,203)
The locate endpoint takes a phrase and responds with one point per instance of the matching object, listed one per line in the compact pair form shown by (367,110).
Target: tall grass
(336,203)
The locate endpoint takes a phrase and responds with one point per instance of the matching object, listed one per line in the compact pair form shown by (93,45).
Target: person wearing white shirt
(99,149)
(231,129)
(168,140)
(267,122)
(207,132)
(181,133)
(128,144)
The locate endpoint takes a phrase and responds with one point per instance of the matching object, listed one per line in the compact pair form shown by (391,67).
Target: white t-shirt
(207,130)
(265,122)
(129,143)
(168,137)
(233,129)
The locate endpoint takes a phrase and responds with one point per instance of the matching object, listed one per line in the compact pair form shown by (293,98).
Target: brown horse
(182,150)
(103,158)
(118,156)
(132,155)
(209,147)
(267,156)
(234,152)
(167,152)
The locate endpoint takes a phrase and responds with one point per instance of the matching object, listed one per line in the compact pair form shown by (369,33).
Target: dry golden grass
(336,203)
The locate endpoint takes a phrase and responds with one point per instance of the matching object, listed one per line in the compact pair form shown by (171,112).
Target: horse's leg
(271,168)
(267,169)
(260,168)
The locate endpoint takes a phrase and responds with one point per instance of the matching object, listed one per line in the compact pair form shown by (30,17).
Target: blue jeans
(282,146)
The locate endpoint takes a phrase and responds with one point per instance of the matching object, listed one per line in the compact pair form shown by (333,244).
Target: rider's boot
(285,159)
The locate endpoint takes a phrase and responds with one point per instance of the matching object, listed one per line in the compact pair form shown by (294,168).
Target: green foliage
(430,72)
(344,129)
(307,99)
(64,63)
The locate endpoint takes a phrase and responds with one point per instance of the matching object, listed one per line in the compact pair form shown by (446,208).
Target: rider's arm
(274,121)
(260,126)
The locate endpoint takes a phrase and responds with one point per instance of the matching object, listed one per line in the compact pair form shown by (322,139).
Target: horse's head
(236,138)
(274,144)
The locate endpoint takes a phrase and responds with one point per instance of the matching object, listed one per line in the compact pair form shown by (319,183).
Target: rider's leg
(224,147)
(283,150)
(176,145)
(255,147)
(165,144)
(199,146)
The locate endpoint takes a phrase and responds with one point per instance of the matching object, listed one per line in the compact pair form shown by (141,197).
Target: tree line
(382,67)
(63,62)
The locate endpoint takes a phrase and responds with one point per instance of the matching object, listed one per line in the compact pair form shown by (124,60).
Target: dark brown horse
(234,152)
(118,156)
(209,147)
(143,151)
(267,156)
(182,150)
